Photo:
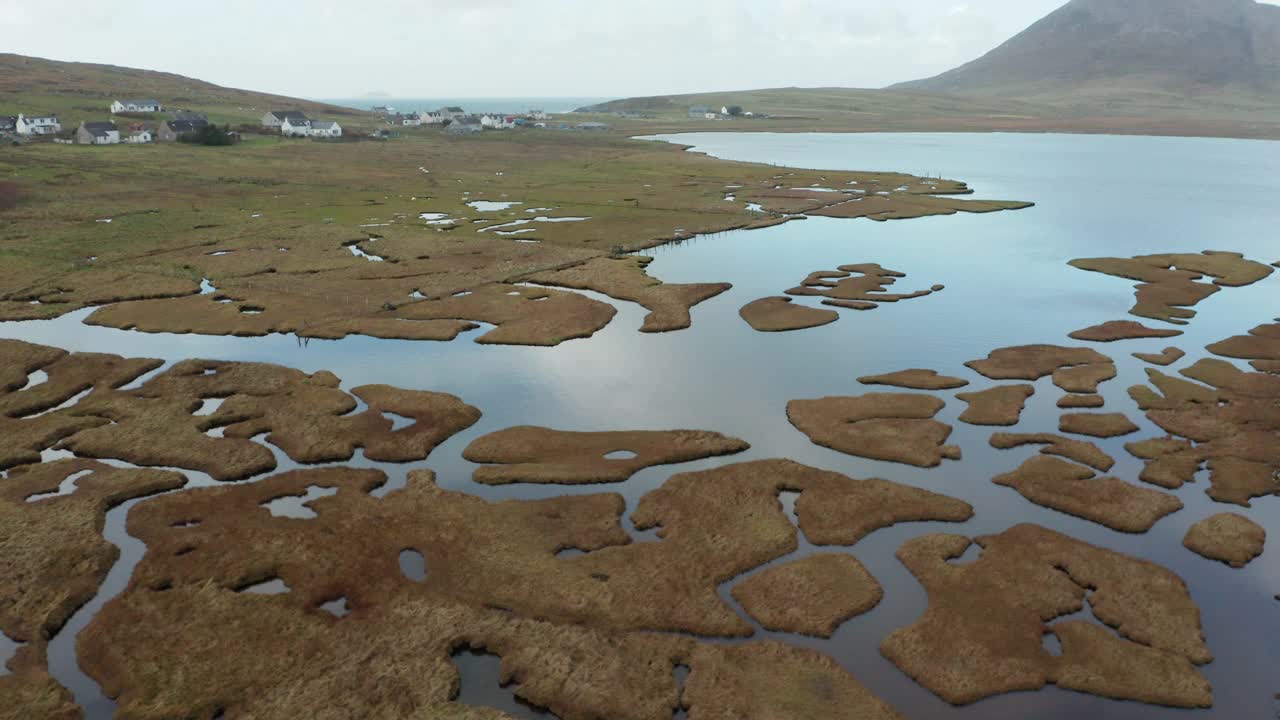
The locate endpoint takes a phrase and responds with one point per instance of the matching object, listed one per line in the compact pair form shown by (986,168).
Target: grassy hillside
(1112,108)
(829,104)
(83,91)
(1155,67)
(1192,53)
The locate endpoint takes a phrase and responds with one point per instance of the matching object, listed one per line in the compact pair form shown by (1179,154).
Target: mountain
(83,91)
(1131,51)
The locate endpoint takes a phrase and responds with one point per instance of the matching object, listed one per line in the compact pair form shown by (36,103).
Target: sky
(529,48)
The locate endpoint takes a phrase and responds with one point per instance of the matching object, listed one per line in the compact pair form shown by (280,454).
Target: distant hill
(1131,51)
(83,91)
(1151,67)
(810,104)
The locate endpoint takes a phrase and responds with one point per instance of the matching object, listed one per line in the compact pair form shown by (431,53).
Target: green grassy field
(1108,109)
(78,92)
(272,220)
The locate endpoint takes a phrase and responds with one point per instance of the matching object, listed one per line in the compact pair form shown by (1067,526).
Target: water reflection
(480,686)
(1007,283)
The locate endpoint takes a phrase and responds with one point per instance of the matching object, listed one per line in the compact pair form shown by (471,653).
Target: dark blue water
(1007,283)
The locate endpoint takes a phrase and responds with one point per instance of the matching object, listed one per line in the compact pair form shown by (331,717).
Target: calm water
(1007,283)
(475,105)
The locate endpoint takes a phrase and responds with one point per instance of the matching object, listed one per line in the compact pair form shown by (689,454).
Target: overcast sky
(489,48)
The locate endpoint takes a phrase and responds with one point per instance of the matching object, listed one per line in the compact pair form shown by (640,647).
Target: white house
(98,133)
(538,115)
(276,118)
(453,112)
(410,120)
(434,117)
(135,106)
(724,110)
(295,126)
(497,122)
(47,125)
(139,137)
(325,129)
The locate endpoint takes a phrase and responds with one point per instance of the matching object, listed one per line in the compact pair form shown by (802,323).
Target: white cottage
(276,118)
(432,118)
(497,122)
(139,137)
(325,129)
(47,125)
(135,106)
(295,126)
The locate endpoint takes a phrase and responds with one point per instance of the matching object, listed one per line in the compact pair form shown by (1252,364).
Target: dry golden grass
(1231,418)
(810,596)
(492,568)
(982,633)
(882,426)
(1078,450)
(272,224)
(781,314)
(1229,537)
(1000,405)
(1169,284)
(1074,489)
(542,455)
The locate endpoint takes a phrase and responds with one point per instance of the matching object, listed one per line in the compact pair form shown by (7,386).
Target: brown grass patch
(982,633)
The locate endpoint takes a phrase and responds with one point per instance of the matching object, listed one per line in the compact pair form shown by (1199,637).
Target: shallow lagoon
(1007,283)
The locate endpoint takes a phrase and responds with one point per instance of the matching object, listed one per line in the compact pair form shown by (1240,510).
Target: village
(133,122)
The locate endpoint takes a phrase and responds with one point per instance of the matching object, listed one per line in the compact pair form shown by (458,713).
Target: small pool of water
(492,205)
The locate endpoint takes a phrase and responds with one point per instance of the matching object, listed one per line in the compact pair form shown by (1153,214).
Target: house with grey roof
(465,125)
(136,106)
(277,118)
(98,133)
(41,125)
(171,130)
(295,126)
(8,123)
(325,129)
